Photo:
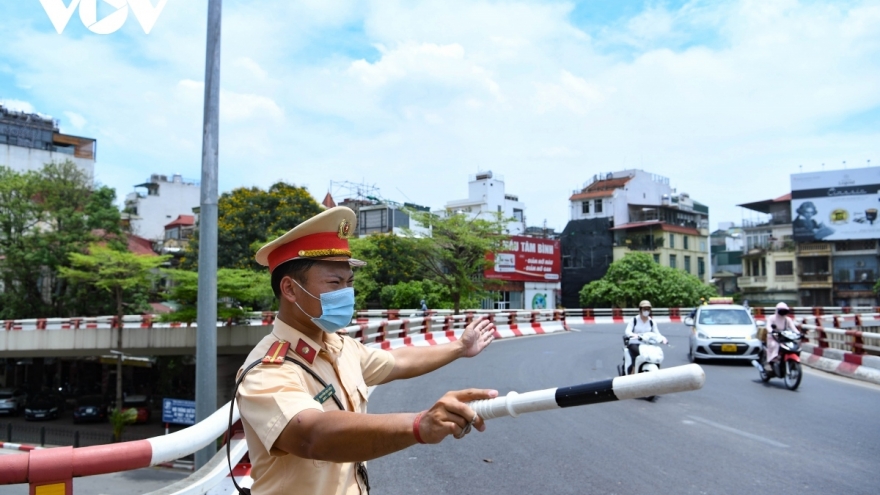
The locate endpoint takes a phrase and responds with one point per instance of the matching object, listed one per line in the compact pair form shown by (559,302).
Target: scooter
(649,359)
(788,365)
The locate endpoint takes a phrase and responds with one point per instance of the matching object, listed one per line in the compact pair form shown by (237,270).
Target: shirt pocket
(361,397)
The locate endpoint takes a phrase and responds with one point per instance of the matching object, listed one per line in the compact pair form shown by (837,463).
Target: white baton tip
(661,382)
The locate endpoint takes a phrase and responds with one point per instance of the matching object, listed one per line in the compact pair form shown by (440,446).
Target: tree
(45,216)
(391,259)
(455,256)
(636,277)
(116,272)
(248,215)
(235,290)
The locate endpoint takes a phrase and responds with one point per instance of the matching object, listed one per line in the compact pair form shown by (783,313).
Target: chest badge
(306,351)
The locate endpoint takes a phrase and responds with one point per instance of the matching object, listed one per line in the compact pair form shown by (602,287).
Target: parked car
(142,403)
(723,331)
(90,408)
(43,405)
(12,401)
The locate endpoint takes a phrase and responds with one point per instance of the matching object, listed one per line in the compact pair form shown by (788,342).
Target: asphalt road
(735,436)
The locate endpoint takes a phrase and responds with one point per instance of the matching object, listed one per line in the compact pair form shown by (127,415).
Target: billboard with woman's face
(836,206)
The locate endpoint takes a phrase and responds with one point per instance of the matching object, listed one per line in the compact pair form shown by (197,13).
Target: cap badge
(345,229)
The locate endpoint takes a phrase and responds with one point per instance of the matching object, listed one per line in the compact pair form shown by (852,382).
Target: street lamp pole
(206,337)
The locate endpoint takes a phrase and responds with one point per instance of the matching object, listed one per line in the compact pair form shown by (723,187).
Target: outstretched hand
(477,336)
(450,415)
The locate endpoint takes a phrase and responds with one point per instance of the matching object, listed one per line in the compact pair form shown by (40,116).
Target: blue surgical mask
(337,307)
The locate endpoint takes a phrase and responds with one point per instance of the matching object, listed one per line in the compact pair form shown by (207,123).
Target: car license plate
(39,415)
(728,347)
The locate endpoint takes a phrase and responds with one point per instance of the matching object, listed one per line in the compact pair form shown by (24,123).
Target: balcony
(814,249)
(752,282)
(815,281)
(785,279)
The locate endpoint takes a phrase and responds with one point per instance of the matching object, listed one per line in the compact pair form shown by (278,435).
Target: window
(701,267)
(702,246)
(784,268)
(672,241)
(598,206)
(687,263)
(585,207)
(672,261)
(518,214)
(656,258)
(686,242)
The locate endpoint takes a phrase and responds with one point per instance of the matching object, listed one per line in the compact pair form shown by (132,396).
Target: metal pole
(206,345)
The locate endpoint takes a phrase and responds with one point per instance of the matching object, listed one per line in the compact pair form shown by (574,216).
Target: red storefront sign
(527,259)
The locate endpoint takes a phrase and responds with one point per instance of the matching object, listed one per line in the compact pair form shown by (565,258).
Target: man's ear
(286,287)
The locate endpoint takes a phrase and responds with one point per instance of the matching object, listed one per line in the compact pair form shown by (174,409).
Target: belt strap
(360,467)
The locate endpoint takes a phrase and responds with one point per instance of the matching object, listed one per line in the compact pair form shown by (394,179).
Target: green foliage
(44,217)
(120,419)
(637,277)
(238,292)
(390,259)
(249,215)
(408,295)
(454,256)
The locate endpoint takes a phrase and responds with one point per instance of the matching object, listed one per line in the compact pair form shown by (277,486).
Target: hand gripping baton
(661,382)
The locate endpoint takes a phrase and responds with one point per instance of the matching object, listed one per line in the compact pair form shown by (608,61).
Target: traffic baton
(662,382)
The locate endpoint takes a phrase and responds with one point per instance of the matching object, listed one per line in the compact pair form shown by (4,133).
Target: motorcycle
(788,364)
(649,359)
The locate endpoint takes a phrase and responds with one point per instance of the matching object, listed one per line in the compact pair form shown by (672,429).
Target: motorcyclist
(643,323)
(779,322)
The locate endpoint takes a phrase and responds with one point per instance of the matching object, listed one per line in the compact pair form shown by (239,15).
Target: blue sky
(726,98)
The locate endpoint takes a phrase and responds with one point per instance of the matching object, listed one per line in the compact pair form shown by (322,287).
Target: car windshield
(5,395)
(724,317)
(89,401)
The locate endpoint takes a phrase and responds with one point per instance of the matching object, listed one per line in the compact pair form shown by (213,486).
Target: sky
(725,98)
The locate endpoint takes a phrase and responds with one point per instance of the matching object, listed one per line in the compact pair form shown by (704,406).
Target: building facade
(159,201)
(726,249)
(770,257)
(29,141)
(487,197)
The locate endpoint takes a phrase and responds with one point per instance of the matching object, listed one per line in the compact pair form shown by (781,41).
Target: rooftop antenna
(844,164)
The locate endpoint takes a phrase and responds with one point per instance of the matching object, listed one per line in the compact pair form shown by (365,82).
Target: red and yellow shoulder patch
(276,352)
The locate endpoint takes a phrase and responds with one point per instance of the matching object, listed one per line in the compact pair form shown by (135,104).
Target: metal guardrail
(849,333)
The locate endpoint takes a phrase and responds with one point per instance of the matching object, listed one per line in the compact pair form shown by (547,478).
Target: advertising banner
(527,259)
(836,206)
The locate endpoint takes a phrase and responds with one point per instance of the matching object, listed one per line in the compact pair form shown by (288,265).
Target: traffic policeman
(300,441)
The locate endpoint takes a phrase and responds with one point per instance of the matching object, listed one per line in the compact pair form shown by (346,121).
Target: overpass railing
(439,318)
(857,334)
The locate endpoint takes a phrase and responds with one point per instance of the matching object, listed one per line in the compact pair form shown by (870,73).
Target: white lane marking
(741,433)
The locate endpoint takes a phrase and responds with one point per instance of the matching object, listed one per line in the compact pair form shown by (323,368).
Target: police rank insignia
(345,229)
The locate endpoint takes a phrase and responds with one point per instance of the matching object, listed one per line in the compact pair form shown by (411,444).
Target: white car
(723,331)
(12,401)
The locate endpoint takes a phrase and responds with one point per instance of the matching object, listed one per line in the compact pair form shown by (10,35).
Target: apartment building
(626,211)
(769,254)
(28,141)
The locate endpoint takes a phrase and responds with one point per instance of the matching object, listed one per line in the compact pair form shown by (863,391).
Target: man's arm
(343,436)
(414,361)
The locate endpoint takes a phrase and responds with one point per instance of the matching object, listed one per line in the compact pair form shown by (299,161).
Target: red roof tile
(182,221)
(328,201)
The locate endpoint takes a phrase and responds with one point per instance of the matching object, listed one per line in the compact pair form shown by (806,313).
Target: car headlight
(753,335)
(54,409)
(702,335)
(28,411)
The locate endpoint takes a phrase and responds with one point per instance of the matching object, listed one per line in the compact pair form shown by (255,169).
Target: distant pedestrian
(424,308)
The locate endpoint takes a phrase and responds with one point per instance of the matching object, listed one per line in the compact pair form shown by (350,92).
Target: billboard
(527,259)
(836,206)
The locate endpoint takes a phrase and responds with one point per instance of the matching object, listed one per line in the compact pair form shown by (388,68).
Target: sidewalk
(859,366)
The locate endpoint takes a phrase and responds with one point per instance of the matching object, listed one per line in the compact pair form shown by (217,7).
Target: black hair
(295,269)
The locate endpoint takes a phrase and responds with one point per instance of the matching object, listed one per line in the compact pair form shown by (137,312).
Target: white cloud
(725,98)
(18,106)
(76,120)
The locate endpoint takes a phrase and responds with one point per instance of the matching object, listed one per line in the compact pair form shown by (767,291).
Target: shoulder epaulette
(276,352)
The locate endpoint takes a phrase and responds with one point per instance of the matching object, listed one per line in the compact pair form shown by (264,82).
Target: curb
(843,363)
(18,446)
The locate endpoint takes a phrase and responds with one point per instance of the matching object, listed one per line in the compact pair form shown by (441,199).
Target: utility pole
(206,336)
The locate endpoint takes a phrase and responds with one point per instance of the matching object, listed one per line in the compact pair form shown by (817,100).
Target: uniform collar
(331,341)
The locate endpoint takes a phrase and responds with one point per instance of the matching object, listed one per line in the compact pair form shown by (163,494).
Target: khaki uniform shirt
(272,394)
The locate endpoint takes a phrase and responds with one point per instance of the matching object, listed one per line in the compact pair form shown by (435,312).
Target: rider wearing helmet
(777,323)
(639,325)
